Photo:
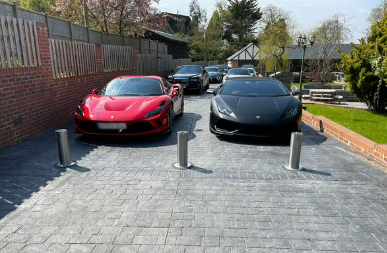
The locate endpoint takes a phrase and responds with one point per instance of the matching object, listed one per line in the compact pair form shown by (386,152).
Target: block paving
(124,195)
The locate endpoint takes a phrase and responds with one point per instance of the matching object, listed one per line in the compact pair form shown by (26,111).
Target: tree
(242,17)
(365,68)
(36,5)
(377,13)
(198,15)
(274,36)
(333,31)
(115,16)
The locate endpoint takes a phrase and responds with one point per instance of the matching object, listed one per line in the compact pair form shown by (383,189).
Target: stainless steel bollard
(182,150)
(295,152)
(63,148)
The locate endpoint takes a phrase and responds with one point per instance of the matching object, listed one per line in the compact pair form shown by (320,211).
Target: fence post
(48,25)
(88,34)
(71,30)
(15,9)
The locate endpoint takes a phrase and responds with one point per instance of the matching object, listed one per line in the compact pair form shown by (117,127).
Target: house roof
(314,52)
(249,52)
(168,36)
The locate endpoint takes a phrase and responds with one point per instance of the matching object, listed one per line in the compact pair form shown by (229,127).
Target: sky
(306,14)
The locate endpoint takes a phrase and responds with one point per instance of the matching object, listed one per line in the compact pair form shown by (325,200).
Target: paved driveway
(123,195)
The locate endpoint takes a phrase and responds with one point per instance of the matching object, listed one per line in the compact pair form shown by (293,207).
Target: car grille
(181,80)
(256,130)
(134,128)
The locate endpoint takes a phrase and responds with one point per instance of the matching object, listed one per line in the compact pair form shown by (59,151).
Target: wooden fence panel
(146,64)
(116,58)
(165,63)
(18,43)
(72,58)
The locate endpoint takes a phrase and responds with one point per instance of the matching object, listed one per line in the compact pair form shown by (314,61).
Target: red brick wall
(359,143)
(41,101)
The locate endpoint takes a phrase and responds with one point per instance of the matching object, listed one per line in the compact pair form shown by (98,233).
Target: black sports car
(191,77)
(254,106)
(216,75)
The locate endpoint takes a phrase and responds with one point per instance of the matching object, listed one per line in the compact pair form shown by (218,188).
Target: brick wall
(32,101)
(359,143)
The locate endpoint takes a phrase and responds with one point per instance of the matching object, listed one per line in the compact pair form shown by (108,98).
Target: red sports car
(130,105)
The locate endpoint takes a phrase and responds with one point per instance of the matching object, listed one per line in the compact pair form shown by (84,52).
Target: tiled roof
(315,52)
(168,36)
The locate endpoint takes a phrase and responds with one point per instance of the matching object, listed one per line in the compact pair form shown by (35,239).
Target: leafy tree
(365,68)
(242,17)
(115,16)
(36,5)
(214,29)
(275,24)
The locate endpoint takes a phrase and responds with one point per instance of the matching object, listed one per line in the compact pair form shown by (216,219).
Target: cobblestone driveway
(123,195)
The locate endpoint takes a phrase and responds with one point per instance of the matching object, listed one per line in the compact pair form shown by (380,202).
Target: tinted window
(189,70)
(238,72)
(259,88)
(133,86)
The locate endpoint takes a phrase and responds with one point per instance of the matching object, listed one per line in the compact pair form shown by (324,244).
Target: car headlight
(154,112)
(291,112)
(81,109)
(195,79)
(224,110)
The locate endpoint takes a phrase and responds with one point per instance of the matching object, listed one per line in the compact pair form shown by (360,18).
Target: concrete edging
(377,152)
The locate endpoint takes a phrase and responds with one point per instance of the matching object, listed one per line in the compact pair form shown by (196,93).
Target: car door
(176,97)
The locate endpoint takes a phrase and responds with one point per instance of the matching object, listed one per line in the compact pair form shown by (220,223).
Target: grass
(371,125)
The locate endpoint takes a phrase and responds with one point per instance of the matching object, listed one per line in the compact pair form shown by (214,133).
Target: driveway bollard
(295,152)
(182,150)
(63,148)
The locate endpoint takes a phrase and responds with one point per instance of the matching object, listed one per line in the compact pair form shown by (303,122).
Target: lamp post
(276,60)
(302,43)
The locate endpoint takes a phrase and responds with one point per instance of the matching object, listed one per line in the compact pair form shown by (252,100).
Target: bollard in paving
(63,148)
(295,152)
(182,150)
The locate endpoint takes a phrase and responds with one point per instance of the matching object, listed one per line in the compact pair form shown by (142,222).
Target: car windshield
(254,88)
(212,69)
(239,72)
(188,70)
(248,66)
(133,86)
(251,71)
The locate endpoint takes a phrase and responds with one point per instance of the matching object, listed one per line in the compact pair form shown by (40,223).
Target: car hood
(257,105)
(107,108)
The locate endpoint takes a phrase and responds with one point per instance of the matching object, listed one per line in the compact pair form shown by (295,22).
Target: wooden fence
(146,64)
(165,63)
(116,58)
(18,43)
(71,58)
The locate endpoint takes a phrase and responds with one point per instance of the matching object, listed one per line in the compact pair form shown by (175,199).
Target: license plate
(183,81)
(111,126)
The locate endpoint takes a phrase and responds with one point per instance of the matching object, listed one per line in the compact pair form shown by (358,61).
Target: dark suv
(191,77)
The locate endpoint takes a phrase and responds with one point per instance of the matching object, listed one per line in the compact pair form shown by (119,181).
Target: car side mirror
(95,91)
(174,92)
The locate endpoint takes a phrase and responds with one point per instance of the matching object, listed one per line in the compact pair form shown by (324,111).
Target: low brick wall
(359,143)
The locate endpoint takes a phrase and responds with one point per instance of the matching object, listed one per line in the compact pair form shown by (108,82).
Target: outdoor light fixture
(302,43)
(276,60)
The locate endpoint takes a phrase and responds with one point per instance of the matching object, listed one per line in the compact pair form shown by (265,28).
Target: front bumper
(154,125)
(225,126)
